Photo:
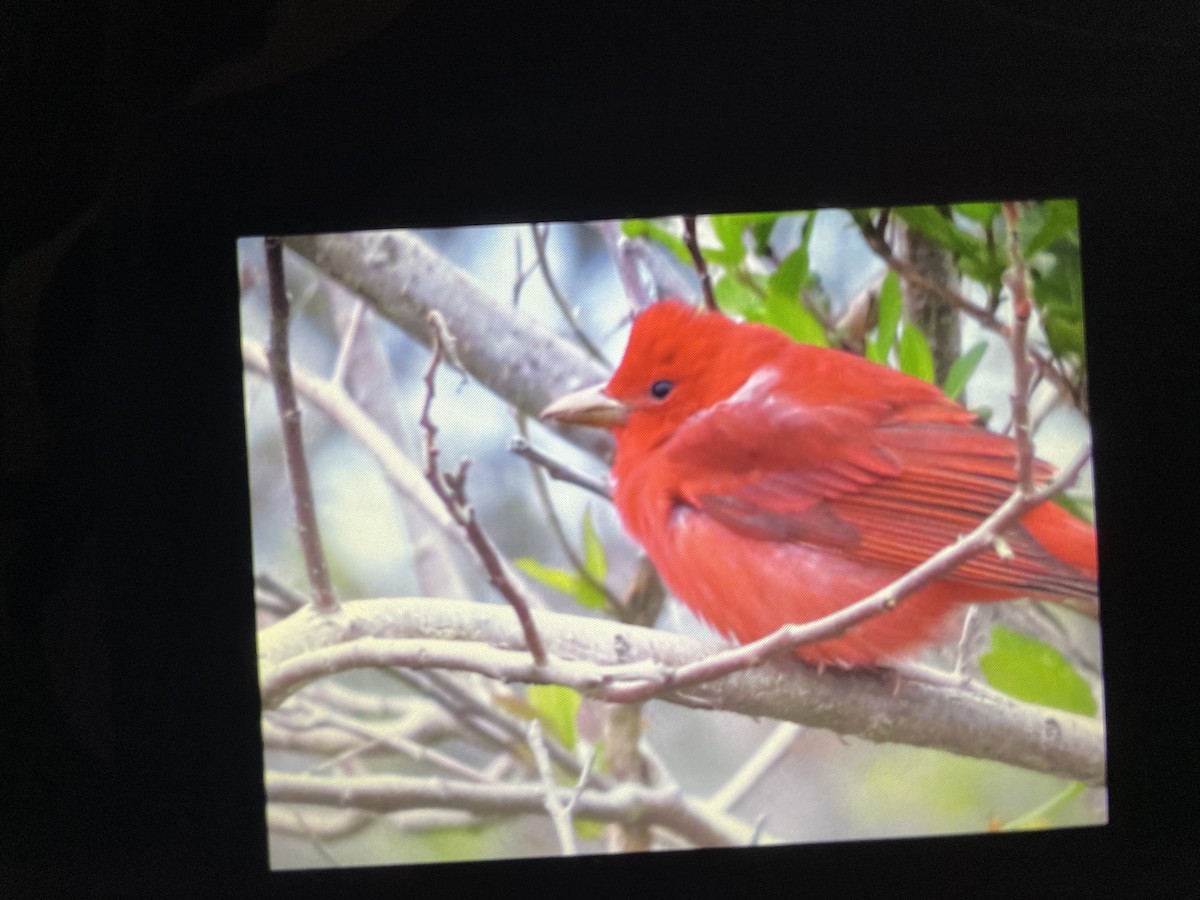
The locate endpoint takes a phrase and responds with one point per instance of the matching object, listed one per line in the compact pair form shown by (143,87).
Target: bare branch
(558,807)
(335,403)
(624,803)
(984,316)
(346,346)
(1022,374)
(882,601)
(632,257)
(516,358)
(759,764)
(293,438)
(544,498)
(558,470)
(451,489)
(592,654)
(540,238)
(693,245)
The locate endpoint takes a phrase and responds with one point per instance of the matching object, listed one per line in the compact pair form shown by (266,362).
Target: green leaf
(560,579)
(962,369)
(916,359)
(729,231)
(761,231)
(588,829)
(988,270)
(1035,672)
(935,226)
(793,318)
(983,213)
(792,276)
(1080,507)
(735,298)
(594,561)
(806,231)
(649,229)
(565,581)
(556,708)
(1050,222)
(889,317)
(1058,293)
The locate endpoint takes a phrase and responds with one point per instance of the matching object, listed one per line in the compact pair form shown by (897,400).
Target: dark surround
(513,114)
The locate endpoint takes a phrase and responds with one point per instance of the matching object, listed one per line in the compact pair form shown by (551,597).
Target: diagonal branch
(541,237)
(513,356)
(984,316)
(882,601)
(559,471)
(693,245)
(451,490)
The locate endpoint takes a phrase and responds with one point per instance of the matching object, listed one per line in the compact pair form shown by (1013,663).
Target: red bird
(773,482)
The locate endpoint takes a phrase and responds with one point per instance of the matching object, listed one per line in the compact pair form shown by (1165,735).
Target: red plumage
(774,482)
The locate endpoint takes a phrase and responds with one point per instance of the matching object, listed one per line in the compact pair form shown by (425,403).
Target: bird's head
(679,360)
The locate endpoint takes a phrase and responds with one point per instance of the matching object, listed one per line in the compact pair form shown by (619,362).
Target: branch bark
(515,357)
(589,654)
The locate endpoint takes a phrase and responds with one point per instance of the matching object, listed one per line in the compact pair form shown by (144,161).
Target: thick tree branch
(592,654)
(515,357)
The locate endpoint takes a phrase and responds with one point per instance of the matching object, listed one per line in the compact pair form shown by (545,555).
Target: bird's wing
(872,480)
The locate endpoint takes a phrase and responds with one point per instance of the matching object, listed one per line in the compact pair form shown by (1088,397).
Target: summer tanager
(772,482)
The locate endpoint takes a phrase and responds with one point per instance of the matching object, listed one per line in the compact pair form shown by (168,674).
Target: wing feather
(891,484)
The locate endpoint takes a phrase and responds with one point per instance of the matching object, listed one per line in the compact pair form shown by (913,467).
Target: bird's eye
(660,389)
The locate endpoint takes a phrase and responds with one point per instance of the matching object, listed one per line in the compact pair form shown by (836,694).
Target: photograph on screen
(724,530)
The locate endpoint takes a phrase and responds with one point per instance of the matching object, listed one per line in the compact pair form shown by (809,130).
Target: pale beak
(587,407)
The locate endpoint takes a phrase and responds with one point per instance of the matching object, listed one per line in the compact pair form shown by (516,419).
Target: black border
(507,114)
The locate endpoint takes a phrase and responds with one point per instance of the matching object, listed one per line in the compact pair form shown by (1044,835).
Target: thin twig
(1050,404)
(1022,308)
(632,257)
(476,711)
(324,599)
(560,534)
(559,809)
(627,803)
(491,726)
(523,273)
(980,314)
(333,401)
(693,245)
(559,471)
(759,764)
(349,336)
(539,246)
(789,637)
(451,489)
(914,276)
(388,735)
